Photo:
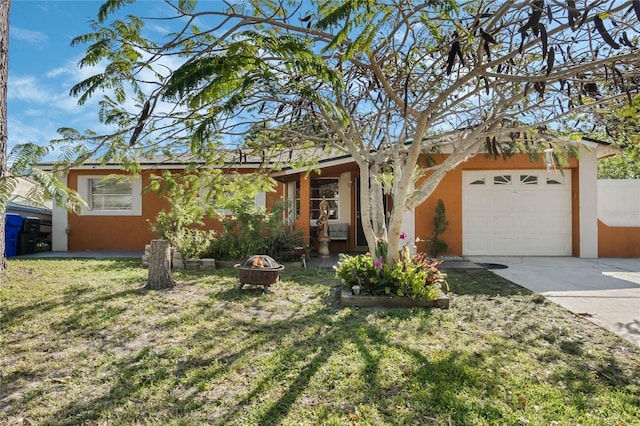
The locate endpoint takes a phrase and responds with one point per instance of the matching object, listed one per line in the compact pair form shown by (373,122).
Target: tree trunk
(160,266)
(4,67)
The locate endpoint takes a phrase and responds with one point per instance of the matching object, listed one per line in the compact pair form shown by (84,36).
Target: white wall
(60,225)
(588,200)
(619,202)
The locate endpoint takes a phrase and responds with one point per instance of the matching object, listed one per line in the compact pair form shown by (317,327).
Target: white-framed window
(329,189)
(557,180)
(529,179)
(111,195)
(296,200)
(502,180)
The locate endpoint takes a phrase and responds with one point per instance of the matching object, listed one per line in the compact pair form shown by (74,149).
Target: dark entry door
(361,240)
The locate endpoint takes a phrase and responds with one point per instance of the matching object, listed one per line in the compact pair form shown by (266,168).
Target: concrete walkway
(605,291)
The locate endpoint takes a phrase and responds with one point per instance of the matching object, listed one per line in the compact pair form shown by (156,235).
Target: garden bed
(368,301)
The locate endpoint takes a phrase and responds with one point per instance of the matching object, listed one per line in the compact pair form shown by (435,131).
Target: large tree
(386,82)
(20,162)
(620,123)
(4,74)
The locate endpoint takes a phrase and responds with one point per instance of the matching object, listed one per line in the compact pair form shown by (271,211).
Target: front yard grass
(82,343)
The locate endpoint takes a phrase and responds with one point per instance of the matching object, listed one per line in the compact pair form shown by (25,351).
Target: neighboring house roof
(23,195)
(18,207)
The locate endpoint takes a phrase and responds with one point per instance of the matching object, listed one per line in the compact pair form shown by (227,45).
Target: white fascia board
(320,165)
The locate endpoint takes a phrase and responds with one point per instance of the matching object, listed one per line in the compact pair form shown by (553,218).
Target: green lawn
(82,343)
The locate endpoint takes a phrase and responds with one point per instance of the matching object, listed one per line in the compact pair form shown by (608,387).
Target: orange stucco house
(494,207)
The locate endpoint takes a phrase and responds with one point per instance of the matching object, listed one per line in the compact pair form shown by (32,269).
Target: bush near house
(250,230)
(247,229)
(438,246)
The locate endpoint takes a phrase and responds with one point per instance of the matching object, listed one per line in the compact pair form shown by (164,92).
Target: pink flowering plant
(412,276)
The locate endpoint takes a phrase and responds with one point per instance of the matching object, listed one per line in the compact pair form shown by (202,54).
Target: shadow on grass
(74,299)
(105,264)
(474,282)
(440,384)
(259,370)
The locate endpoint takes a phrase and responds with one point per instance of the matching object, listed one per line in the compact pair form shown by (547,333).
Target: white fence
(619,202)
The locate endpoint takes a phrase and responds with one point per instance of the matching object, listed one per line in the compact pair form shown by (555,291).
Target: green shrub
(250,230)
(412,276)
(177,225)
(192,243)
(437,246)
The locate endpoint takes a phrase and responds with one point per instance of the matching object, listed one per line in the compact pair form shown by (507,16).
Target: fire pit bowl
(259,270)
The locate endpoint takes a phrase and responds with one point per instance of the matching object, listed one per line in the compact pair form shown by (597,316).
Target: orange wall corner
(618,241)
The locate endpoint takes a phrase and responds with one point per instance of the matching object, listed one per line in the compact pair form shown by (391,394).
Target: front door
(361,240)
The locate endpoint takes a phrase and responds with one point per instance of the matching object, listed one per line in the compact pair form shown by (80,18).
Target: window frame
(84,189)
(333,201)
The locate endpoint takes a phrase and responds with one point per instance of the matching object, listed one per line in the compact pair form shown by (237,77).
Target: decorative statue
(323,220)
(323,229)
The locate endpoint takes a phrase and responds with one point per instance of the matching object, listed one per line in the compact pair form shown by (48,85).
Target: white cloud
(27,89)
(28,35)
(73,73)
(23,130)
(159,29)
(57,72)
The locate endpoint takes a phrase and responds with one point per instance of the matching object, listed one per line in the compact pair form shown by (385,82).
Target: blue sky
(43,67)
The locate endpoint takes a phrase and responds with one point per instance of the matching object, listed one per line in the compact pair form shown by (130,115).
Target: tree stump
(159,266)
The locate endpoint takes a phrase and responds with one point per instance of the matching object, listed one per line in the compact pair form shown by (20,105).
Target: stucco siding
(113,232)
(619,218)
(618,241)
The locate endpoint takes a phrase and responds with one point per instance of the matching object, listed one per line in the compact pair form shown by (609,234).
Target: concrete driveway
(605,291)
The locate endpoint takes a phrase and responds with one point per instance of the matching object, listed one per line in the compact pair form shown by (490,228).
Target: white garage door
(516,212)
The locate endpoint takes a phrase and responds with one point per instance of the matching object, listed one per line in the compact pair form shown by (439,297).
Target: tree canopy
(385,82)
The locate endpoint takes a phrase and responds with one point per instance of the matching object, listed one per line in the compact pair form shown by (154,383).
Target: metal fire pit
(259,270)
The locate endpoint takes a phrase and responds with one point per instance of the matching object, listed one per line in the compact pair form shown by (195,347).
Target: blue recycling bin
(12,228)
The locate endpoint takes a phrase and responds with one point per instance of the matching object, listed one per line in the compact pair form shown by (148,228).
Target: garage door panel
(477,222)
(554,223)
(502,245)
(549,246)
(529,201)
(503,223)
(527,216)
(533,246)
(528,225)
(477,245)
(502,201)
(557,200)
(477,200)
